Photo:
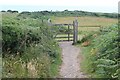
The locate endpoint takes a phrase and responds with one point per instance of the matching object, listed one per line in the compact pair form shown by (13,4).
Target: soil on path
(70,67)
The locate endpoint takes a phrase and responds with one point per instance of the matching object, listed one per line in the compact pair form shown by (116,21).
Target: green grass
(87,57)
(97,55)
(87,62)
(56,65)
(16,68)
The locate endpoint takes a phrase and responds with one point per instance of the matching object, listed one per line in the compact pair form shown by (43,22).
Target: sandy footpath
(70,67)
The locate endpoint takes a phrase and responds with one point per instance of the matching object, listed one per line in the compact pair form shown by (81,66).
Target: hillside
(65,13)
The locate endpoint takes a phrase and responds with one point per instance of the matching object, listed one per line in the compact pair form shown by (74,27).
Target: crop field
(83,22)
(86,21)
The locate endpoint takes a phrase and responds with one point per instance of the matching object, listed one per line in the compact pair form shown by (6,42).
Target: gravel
(70,67)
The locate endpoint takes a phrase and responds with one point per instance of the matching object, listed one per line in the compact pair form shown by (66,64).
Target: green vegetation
(67,13)
(99,45)
(29,48)
(101,56)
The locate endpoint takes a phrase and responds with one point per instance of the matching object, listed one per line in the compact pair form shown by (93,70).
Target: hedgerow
(102,57)
(107,54)
(29,48)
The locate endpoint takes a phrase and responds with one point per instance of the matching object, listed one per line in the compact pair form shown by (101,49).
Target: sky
(108,6)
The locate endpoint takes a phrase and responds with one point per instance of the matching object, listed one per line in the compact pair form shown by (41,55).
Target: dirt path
(70,67)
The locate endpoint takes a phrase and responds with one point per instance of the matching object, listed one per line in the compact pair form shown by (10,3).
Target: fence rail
(64,40)
(91,26)
(62,24)
(65,37)
(75,30)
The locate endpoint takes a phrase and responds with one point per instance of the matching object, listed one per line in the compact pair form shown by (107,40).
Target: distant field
(86,21)
(83,21)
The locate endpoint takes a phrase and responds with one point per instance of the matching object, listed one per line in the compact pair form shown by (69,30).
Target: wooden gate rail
(90,26)
(75,31)
(65,40)
(64,37)
(62,24)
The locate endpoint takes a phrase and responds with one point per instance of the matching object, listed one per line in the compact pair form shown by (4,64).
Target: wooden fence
(75,31)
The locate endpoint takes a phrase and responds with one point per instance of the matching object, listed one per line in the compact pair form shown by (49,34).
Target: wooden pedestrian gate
(70,32)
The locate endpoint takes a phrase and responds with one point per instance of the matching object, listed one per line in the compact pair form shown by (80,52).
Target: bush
(103,54)
(29,49)
(107,57)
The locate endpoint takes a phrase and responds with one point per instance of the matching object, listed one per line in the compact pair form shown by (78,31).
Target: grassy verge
(87,62)
(87,57)
(32,66)
(55,66)
(101,59)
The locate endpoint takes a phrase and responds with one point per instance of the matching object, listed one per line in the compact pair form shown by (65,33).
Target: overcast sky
(60,5)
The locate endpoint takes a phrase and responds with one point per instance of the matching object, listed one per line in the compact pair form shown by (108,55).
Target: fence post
(75,31)
(49,22)
(42,20)
(68,33)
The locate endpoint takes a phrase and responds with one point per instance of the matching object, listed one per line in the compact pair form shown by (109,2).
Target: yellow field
(86,21)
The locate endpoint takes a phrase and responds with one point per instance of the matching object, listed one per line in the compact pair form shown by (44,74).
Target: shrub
(103,54)
(29,48)
(108,55)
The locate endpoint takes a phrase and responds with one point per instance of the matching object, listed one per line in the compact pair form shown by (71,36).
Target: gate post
(49,22)
(68,33)
(75,31)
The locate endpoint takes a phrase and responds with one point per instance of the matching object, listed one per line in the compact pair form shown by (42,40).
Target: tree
(3,11)
(14,11)
(9,10)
